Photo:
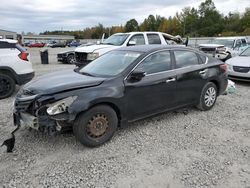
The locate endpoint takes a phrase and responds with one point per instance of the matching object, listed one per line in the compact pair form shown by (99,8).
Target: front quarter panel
(104,93)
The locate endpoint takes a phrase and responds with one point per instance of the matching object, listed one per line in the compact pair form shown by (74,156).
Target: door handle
(170,80)
(203,71)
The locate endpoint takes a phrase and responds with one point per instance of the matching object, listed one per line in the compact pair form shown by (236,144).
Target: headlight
(60,106)
(92,56)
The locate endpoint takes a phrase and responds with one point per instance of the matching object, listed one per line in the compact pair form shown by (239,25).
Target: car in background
(69,56)
(86,54)
(27,43)
(58,44)
(239,66)
(74,44)
(66,57)
(36,44)
(120,87)
(15,67)
(50,43)
(224,48)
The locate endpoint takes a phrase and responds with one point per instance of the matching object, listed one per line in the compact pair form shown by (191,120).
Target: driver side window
(137,39)
(157,62)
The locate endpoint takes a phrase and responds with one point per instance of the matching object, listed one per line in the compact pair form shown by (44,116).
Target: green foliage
(204,21)
(131,25)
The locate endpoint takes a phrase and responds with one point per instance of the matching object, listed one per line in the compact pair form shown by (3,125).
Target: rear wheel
(7,86)
(96,126)
(208,96)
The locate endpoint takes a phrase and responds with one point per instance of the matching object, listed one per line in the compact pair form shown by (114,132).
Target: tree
(131,25)
(210,20)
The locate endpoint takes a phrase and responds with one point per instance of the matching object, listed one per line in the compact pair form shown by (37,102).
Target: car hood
(93,48)
(61,81)
(242,61)
(211,45)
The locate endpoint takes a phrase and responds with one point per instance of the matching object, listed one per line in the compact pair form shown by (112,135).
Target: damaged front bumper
(30,112)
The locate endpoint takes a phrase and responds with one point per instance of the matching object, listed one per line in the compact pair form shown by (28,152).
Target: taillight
(224,67)
(24,56)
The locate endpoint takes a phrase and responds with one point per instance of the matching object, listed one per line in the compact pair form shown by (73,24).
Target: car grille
(22,106)
(81,57)
(241,69)
(23,101)
(59,55)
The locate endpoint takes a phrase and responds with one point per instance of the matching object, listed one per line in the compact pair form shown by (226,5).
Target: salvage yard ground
(200,149)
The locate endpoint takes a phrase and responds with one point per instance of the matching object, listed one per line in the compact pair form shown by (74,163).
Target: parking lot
(197,149)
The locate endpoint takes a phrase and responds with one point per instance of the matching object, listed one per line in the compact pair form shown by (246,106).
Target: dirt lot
(200,149)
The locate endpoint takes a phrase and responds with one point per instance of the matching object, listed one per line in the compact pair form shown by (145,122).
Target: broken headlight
(60,106)
(92,56)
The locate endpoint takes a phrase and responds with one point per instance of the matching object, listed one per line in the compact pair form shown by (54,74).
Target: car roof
(154,47)
(8,40)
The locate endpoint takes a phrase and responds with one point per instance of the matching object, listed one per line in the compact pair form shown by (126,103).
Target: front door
(155,91)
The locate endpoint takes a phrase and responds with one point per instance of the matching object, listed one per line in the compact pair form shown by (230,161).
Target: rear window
(153,39)
(185,58)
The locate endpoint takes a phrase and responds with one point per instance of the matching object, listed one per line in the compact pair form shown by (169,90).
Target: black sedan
(119,87)
(66,57)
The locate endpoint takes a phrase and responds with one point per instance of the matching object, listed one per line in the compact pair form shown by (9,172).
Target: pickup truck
(224,48)
(86,54)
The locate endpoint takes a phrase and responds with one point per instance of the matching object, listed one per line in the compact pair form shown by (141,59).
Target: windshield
(226,42)
(246,52)
(110,64)
(116,40)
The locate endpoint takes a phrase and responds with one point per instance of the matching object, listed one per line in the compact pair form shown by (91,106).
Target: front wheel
(208,97)
(96,126)
(7,86)
(71,59)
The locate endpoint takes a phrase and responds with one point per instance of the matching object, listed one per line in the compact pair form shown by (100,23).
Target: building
(4,34)
(47,38)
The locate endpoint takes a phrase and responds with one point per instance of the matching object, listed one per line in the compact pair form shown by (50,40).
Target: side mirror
(131,43)
(136,76)
(98,42)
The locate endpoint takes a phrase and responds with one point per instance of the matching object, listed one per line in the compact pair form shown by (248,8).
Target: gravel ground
(200,149)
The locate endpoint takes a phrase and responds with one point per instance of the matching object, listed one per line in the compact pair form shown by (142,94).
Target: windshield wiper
(87,74)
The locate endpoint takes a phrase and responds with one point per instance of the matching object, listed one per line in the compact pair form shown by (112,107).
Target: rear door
(190,77)
(155,91)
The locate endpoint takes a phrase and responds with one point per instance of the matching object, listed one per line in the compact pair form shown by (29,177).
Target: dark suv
(119,87)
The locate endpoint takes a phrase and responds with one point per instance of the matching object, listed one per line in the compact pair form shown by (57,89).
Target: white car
(86,54)
(239,66)
(15,67)
(224,48)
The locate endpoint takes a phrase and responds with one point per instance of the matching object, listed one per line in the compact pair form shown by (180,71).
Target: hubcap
(5,86)
(97,126)
(210,96)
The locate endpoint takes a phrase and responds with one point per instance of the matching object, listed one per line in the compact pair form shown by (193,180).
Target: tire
(96,126)
(71,59)
(208,97)
(7,86)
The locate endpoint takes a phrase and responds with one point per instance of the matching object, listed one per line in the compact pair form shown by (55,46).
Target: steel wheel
(97,126)
(210,96)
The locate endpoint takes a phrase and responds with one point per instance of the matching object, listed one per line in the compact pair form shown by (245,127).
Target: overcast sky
(40,15)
